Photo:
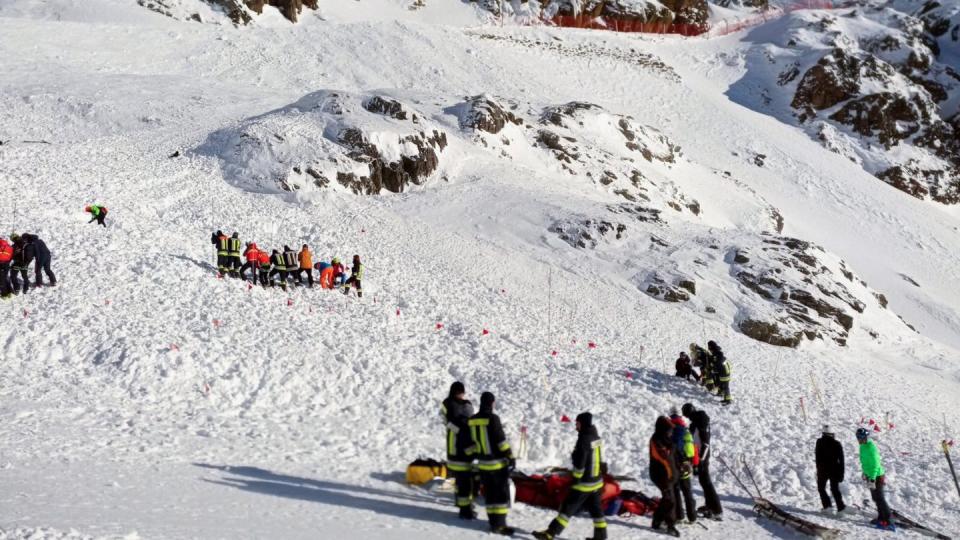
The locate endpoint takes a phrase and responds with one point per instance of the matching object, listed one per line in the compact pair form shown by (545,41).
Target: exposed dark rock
(485,114)
(770,333)
(386,107)
(834,79)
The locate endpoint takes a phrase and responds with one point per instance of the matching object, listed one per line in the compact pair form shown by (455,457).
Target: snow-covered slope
(144,397)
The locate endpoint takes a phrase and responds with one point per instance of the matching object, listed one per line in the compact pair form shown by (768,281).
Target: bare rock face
(833,80)
(240,12)
(291,9)
(629,11)
(675,289)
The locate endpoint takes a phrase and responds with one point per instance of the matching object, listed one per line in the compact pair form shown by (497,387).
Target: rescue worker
(98,213)
(875,477)
(252,256)
(721,372)
(279,269)
(306,265)
(42,260)
(6,257)
(685,454)
(223,254)
(663,473)
(585,492)
(23,255)
(356,277)
(290,263)
(684,368)
(264,266)
(830,468)
(700,429)
(456,411)
(701,359)
(234,255)
(495,461)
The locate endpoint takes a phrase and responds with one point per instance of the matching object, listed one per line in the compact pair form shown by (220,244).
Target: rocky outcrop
(363,143)
(484,113)
(240,12)
(624,11)
(673,289)
(879,98)
(588,233)
(809,297)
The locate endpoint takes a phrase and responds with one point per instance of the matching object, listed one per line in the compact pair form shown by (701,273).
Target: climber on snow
(700,429)
(875,477)
(664,474)
(356,278)
(42,260)
(830,468)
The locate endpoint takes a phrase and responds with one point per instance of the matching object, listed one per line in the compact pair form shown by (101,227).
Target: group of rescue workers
(272,268)
(479,457)
(16,256)
(715,369)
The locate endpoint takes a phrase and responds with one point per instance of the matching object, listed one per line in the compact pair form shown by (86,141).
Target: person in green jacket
(874,475)
(98,213)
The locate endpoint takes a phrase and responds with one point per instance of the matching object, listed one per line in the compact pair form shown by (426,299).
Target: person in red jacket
(263,264)
(252,256)
(6,255)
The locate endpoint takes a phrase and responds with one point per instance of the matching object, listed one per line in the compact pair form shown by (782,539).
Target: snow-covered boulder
(366,143)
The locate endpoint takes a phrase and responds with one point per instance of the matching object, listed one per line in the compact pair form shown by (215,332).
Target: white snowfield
(145,398)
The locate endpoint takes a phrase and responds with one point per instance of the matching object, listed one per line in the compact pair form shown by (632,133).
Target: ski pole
(953,472)
(743,461)
(735,477)
(803,409)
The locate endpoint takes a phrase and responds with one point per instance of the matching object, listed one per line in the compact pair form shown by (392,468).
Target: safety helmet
(862,434)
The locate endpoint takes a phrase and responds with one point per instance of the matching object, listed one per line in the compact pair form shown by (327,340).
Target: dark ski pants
(463,497)
(683,495)
(496,492)
(309,272)
(22,270)
(253,266)
(283,277)
(99,219)
(5,286)
(883,511)
(724,390)
(576,501)
(44,265)
(710,497)
(665,510)
(234,264)
(223,263)
(822,480)
(264,275)
(356,282)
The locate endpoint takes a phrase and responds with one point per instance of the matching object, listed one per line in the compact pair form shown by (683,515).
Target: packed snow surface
(145,398)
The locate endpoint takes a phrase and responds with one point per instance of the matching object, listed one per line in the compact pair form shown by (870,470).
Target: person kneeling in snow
(685,368)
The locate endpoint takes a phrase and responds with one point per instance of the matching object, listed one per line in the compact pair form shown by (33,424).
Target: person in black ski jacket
(700,429)
(42,260)
(721,372)
(456,411)
(291,263)
(701,359)
(664,474)
(279,269)
(23,255)
(495,461)
(588,483)
(684,368)
(830,468)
